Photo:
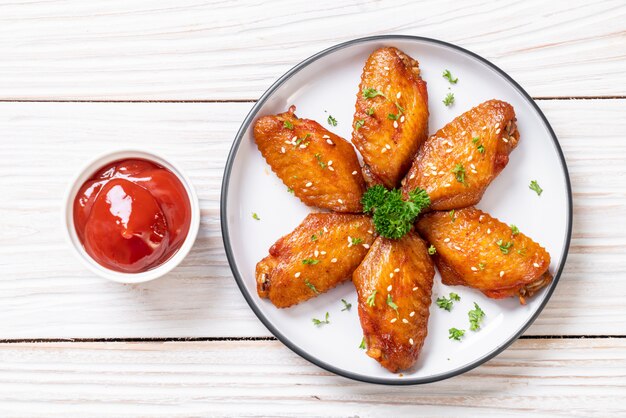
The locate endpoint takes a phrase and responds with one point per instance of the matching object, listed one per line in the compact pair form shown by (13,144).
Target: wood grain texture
(191,49)
(557,378)
(46,293)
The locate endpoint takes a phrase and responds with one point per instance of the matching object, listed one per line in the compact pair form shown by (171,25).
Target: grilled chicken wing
(321,168)
(391,118)
(394,284)
(479,251)
(456,165)
(320,253)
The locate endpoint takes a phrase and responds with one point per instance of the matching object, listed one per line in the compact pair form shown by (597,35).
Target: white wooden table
(78,77)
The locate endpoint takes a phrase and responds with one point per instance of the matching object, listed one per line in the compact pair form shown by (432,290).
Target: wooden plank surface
(46,293)
(191,49)
(560,378)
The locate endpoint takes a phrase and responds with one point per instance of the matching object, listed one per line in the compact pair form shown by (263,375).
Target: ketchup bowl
(131,216)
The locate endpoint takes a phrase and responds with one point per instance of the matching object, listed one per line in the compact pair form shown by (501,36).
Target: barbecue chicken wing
(476,250)
(323,251)
(321,168)
(391,118)
(394,284)
(456,164)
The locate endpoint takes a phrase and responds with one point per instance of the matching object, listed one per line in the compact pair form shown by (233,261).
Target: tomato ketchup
(132,215)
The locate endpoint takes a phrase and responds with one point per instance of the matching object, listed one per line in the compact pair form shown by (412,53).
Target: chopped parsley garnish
(290,190)
(448,76)
(310,261)
(318,156)
(522,251)
(287,124)
(504,246)
(445,303)
(370,93)
(481,266)
(400,108)
(393,117)
(451,213)
(319,322)
(371,299)
(391,304)
(459,173)
(432,250)
(255,216)
(315,237)
(393,216)
(370,111)
(302,141)
(346,305)
(310,286)
(355,241)
(481,148)
(456,334)
(535,187)
(476,316)
(449,100)
(332,121)
(359,123)
(514,229)
(476,139)
(363,346)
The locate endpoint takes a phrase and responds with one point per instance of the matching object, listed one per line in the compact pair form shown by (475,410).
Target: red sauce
(132,215)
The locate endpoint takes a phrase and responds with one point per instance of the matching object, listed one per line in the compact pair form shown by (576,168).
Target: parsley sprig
(312,287)
(445,303)
(319,322)
(448,76)
(370,93)
(393,216)
(534,186)
(346,305)
(332,121)
(476,316)
(456,334)
(459,173)
(391,303)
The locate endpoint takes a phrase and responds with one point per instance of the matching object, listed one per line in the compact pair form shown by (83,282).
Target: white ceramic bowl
(116,276)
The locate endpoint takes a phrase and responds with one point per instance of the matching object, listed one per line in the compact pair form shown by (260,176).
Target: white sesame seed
(434,172)
(411,341)
(406,321)
(325,229)
(389,288)
(397,270)
(473,268)
(393,320)
(480,218)
(536,265)
(488,230)
(402,119)
(309,184)
(412,176)
(340,201)
(325,136)
(288,142)
(446,185)
(463,133)
(473,166)
(354,173)
(505,140)
(470,158)
(282,150)
(412,314)
(384,150)
(497,125)
(323,252)
(366,246)
(387,146)
(446,240)
(390,275)
(330,142)
(399,95)
(473,171)
(497,131)
(449,150)
(484,128)
(303,146)
(395,123)
(456,247)
(415,288)
(330,162)
(369,231)
(331,168)
(386,68)
(294,139)
(425,175)
(316,253)
(297,275)
(502,273)
(334,260)
(349,241)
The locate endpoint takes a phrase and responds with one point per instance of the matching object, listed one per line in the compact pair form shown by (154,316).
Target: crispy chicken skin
(331,244)
(469,253)
(489,127)
(321,168)
(387,145)
(403,269)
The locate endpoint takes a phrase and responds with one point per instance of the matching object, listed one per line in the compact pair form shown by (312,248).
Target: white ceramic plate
(327,83)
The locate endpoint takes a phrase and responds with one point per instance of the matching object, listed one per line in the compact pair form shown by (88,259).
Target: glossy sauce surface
(132,215)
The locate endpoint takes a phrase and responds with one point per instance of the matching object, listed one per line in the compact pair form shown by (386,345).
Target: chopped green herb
(476,316)
(391,304)
(355,241)
(432,250)
(359,123)
(310,285)
(371,299)
(476,139)
(332,121)
(535,187)
(504,246)
(456,334)
(346,305)
(362,346)
(370,93)
(445,303)
(318,156)
(392,116)
(290,190)
(255,216)
(454,296)
(481,148)
(522,251)
(370,111)
(451,213)
(459,173)
(481,266)
(514,229)
(310,261)
(448,76)
(287,124)
(314,237)
(319,322)
(301,141)
(449,100)
(400,108)
(394,216)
